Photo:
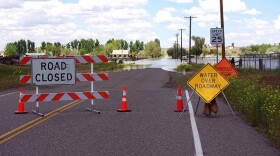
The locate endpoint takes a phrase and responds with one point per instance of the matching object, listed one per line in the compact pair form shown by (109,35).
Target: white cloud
(144,36)
(165,16)
(181,1)
(194,11)
(176,26)
(277,22)
(228,5)
(9,4)
(54,20)
(251,12)
(105,4)
(209,20)
(256,23)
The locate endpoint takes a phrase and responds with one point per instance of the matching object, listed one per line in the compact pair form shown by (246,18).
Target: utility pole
(174,54)
(190,44)
(222,26)
(181,44)
(177,46)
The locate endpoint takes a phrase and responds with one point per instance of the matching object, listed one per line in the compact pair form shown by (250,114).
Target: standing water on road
(165,64)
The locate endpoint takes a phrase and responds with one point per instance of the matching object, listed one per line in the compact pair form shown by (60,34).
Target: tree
(153,49)
(82,51)
(171,52)
(157,41)
(96,43)
(10,49)
(21,47)
(56,50)
(49,48)
(66,52)
(199,44)
(29,46)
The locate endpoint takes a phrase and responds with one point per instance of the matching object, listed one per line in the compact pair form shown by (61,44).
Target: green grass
(188,67)
(257,101)
(9,75)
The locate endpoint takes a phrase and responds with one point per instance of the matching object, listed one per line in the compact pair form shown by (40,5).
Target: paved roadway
(151,129)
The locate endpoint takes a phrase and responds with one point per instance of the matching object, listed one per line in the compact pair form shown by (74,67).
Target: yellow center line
(33,123)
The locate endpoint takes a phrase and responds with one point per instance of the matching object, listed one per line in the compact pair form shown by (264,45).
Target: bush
(183,68)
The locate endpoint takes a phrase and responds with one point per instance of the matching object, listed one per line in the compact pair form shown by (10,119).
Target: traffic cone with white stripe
(123,104)
(20,105)
(180,104)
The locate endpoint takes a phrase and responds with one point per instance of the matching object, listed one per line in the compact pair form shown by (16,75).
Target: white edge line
(8,94)
(196,138)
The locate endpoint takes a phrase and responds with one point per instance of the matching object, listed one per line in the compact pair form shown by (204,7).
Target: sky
(246,22)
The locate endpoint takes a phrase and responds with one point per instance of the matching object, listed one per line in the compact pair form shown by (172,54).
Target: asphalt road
(152,128)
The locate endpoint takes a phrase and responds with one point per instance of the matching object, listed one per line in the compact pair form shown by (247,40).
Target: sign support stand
(92,101)
(37,105)
(229,105)
(226,101)
(186,104)
(197,105)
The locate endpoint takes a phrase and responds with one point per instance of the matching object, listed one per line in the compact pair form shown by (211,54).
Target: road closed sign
(226,69)
(208,83)
(53,71)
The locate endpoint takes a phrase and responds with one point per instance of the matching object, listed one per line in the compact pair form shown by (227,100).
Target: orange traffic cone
(180,104)
(123,104)
(20,105)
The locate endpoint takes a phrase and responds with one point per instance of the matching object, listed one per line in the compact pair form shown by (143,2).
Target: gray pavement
(152,128)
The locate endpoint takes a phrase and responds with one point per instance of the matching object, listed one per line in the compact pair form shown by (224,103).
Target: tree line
(260,49)
(197,49)
(85,46)
(200,48)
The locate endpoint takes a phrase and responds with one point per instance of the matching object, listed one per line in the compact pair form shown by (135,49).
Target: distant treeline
(260,49)
(84,46)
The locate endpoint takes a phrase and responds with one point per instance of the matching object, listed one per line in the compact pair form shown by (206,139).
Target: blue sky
(246,21)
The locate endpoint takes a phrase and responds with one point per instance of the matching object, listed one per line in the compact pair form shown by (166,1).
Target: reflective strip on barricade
(64,96)
(91,77)
(24,60)
(80,77)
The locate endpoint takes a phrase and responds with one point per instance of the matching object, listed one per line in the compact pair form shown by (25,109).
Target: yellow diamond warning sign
(208,83)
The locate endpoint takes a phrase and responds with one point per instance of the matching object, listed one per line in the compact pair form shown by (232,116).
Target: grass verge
(252,94)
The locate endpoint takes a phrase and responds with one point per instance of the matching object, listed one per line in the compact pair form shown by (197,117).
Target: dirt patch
(176,79)
(271,79)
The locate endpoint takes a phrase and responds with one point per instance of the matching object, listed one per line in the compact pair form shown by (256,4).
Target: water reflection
(165,64)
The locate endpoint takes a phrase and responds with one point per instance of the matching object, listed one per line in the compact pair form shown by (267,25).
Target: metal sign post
(186,104)
(36,111)
(92,101)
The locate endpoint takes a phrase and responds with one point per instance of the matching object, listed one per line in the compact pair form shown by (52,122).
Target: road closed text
(53,71)
(54,77)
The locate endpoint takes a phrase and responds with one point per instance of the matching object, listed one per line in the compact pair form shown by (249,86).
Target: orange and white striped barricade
(79,77)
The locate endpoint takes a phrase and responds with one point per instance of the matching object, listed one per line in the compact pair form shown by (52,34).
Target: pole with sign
(216,37)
